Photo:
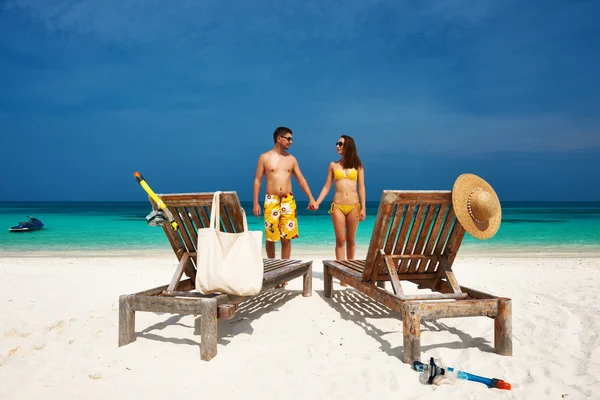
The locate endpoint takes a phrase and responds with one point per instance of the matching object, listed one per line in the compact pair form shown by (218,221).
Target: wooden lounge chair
(415,238)
(191,212)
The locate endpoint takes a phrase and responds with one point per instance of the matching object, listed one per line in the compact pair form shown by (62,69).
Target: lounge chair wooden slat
(423,237)
(417,276)
(175,240)
(413,257)
(443,239)
(355,265)
(179,297)
(432,240)
(417,196)
(177,202)
(406,224)
(279,263)
(268,261)
(397,219)
(271,261)
(378,237)
(203,211)
(173,237)
(436,296)
(189,246)
(189,199)
(276,267)
(287,272)
(454,242)
(342,265)
(347,264)
(226,223)
(234,210)
(414,231)
(426,237)
(196,218)
(192,231)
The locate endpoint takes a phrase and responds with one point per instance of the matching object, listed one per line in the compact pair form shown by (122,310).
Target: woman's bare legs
(339,227)
(345,227)
(351,227)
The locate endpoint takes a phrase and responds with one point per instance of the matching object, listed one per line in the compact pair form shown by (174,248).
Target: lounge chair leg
(328,281)
(503,328)
(411,319)
(208,329)
(126,320)
(307,283)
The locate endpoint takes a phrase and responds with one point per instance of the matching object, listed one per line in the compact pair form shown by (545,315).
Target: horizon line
(250,201)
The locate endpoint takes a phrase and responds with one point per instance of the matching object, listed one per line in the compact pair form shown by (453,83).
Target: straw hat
(476,206)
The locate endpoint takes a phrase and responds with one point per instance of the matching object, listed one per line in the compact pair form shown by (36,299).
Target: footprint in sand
(59,326)
(11,353)
(14,332)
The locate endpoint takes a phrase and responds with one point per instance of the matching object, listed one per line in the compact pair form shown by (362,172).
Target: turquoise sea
(104,227)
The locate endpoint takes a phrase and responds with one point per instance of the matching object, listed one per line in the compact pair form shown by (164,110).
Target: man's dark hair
(282,130)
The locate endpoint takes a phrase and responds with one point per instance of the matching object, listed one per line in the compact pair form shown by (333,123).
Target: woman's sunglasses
(339,144)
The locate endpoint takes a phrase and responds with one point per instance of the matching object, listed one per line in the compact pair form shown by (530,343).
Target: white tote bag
(229,263)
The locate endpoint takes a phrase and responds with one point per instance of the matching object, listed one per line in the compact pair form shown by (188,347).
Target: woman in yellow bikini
(348,206)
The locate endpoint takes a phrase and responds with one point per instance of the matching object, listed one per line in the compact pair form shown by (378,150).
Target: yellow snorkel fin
(153,220)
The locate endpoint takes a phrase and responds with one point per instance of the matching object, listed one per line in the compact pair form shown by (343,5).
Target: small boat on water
(33,224)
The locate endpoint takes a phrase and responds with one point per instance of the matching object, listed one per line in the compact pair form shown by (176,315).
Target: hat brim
(463,186)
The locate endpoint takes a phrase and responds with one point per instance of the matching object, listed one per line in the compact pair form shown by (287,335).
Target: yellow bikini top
(352,174)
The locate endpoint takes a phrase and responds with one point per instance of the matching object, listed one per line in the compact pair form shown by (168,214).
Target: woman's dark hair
(349,154)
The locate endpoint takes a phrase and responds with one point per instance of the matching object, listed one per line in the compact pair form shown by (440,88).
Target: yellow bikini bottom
(344,208)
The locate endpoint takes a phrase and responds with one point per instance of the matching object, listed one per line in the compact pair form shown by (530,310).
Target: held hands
(313,205)
(256,209)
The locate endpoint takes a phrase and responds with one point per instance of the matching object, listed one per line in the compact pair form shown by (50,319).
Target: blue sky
(189,93)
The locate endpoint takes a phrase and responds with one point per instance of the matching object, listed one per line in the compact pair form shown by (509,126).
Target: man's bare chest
(279,167)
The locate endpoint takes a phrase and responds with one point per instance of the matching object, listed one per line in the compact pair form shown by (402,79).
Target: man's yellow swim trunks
(280,217)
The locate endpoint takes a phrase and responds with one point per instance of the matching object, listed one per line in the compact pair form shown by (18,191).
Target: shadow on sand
(248,312)
(354,306)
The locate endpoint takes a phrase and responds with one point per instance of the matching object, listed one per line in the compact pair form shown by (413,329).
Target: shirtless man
(278,166)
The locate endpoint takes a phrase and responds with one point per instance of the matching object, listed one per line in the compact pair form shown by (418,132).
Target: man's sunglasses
(339,144)
(288,138)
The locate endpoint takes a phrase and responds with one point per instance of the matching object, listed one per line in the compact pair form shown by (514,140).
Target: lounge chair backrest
(192,212)
(418,228)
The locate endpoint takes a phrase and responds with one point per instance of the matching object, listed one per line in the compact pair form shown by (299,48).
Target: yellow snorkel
(156,218)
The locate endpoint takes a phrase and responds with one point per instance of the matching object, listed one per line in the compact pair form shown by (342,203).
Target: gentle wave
(122,226)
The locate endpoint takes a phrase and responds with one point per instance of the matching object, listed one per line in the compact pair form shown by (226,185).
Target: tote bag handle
(215,214)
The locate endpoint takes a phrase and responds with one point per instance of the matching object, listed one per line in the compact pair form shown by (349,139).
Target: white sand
(59,317)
